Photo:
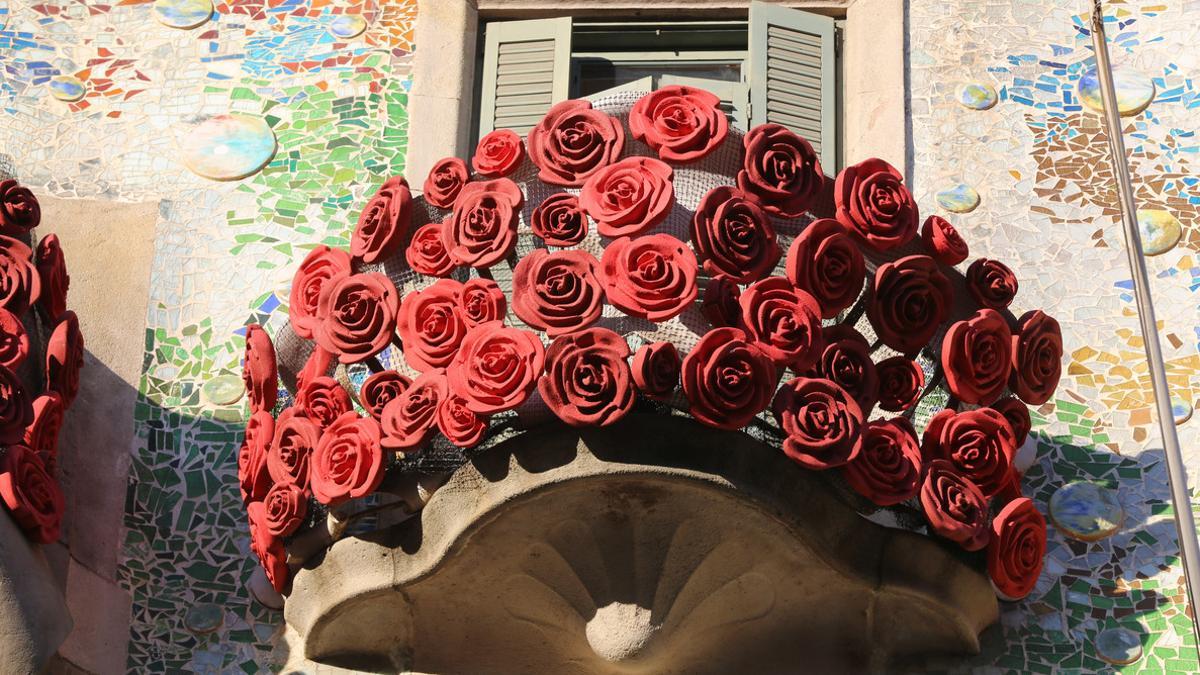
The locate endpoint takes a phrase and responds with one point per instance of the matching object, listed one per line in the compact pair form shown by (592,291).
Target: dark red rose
(559,220)
(1017,415)
(991,283)
(825,262)
(19,209)
(347,462)
(587,380)
(557,292)
(383,223)
(721,304)
(41,435)
(379,389)
(288,458)
(822,422)
(783,321)
(269,549)
(499,153)
(976,357)
(445,181)
(459,424)
(323,400)
(681,124)
(1017,549)
(909,299)
(874,205)
(431,325)
(16,409)
(286,506)
(887,470)
(31,494)
(573,141)
(943,241)
(656,368)
(727,379)
(360,316)
(954,506)
(651,277)
(14,341)
(409,418)
(482,301)
(846,361)
(900,383)
(629,197)
(1036,357)
(733,236)
(20,284)
(259,372)
(426,253)
(254,477)
(781,169)
(317,365)
(496,367)
(53,277)
(483,229)
(64,358)
(322,266)
(979,443)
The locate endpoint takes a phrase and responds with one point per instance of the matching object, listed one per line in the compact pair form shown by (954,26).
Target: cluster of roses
(29,427)
(472,365)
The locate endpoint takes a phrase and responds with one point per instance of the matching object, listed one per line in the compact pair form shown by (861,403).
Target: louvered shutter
(792,75)
(526,69)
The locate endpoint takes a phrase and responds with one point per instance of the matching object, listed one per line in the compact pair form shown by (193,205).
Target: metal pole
(1185,524)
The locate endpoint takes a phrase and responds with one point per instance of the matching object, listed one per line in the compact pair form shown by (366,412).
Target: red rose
(41,435)
(14,341)
(651,277)
(874,205)
(991,283)
(727,379)
(20,285)
(656,368)
(323,400)
(1017,549)
(1017,415)
(53,277)
(16,410)
(445,181)
(383,222)
(721,304)
(31,494)
(254,477)
(681,124)
(782,320)
(629,197)
(459,424)
(887,470)
(64,358)
(269,550)
(499,153)
(347,462)
(426,253)
(259,372)
(978,443)
(322,266)
(573,141)
(482,301)
(360,316)
(822,421)
(908,300)
(733,235)
(826,263)
(781,169)
(900,383)
(559,220)
(496,367)
(379,389)
(557,292)
(946,245)
(288,458)
(846,361)
(587,381)
(286,506)
(431,325)
(954,506)
(483,229)
(1036,357)
(19,209)
(408,419)
(976,357)
(315,366)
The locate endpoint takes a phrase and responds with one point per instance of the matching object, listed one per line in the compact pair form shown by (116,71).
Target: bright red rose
(347,462)
(900,383)
(846,361)
(19,209)
(976,357)
(587,380)
(944,242)
(426,253)
(33,497)
(14,341)
(259,372)
(727,379)
(64,358)
(656,369)
(629,197)
(1017,415)
(887,470)
(873,203)
(288,458)
(254,477)
(409,418)
(954,506)
(41,435)
(908,300)
(559,220)
(1036,357)
(651,277)
(379,389)
(286,506)
(979,443)
(783,321)
(315,366)
(323,400)
(268,549)
(825,262)
(733,236)
(20,285)
(991,283)
(53,277)
(16,410)
(383,223)
(721,305)
(496,367)
(483,229)
(822,422)
(557,292)
(360,316)
(322,266)
(1017,550)
(459,424)
(573,141)
(431,325)
(781,169)
(681,124)
(482,301)
(445,181)
(499,153)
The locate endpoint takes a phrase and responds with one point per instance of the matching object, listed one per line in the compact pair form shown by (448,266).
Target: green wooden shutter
(791,71)
(526,69)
